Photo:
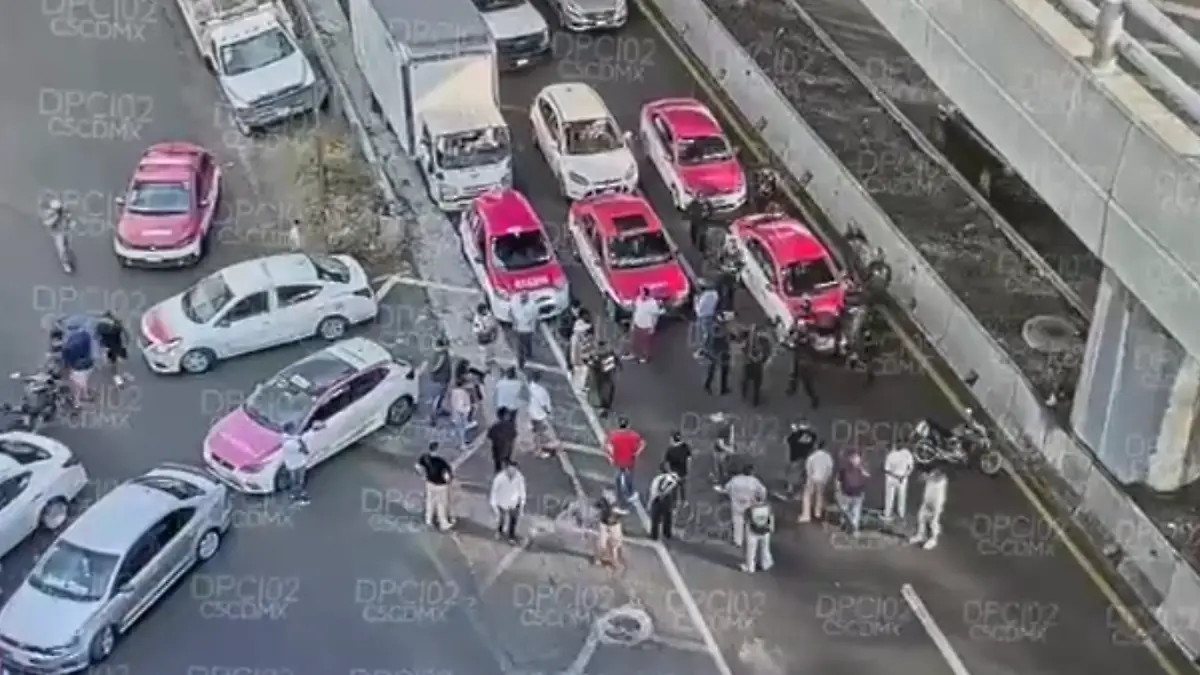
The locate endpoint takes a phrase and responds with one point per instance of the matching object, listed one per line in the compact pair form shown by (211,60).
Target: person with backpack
(664,495)
(744,490)
(760,525)
(487,333)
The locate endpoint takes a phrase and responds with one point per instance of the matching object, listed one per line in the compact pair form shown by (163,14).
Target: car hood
(604,166)
(719,177)
(667,282)
(830,300)
(164,322)
(596,6)
(39,620)
(239,440)
(249,87)
(141,229)
(534,279)
(515,22)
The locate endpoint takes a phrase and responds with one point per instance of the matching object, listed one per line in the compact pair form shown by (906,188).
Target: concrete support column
(1109,26)
(1176,458)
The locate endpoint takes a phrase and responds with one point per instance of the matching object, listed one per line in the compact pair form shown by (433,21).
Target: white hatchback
(39,478)
(582,142)
(256,305)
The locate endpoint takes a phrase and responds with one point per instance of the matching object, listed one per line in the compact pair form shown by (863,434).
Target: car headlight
(577,178)
(166,347)
(447,191)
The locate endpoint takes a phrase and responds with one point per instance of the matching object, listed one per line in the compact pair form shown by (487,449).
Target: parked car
(39,478)
(113,564)
(625,248)
(693,157)
(331,400)
(521,34)
(168,210)
(581,141)
(256,305)
(586,15)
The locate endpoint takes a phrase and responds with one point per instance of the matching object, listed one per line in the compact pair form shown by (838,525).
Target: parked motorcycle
(46,396)
(967,444)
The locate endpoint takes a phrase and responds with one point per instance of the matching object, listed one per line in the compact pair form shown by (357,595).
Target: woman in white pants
(929,516)
(897,467)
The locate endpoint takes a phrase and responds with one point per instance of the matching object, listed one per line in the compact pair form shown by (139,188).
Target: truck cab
(463,153)
(521,33)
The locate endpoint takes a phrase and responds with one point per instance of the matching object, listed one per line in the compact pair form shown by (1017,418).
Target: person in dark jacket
(503,437)
(78,356)
(699,214)
(679,459)
(756,350)
(802,373)
(717,352)
(604,366)
(110,332)
(440,368)
(664,495)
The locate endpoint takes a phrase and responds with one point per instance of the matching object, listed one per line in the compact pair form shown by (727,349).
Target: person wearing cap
(801,442)
(438,476)
(679,458)
(624,447)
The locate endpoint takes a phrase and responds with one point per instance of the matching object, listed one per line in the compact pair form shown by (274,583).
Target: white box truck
(432,68)
(251,47)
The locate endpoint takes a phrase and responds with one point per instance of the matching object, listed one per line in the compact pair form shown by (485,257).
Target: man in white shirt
(539,409)
(646,312)
(744,490)
(897,467)
(581,350)
(933,503)
(295,462)
(818,470)
(507,499)
(507,394)
(525,322)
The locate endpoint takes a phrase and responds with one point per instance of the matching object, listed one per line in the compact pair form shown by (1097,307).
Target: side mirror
(119,201)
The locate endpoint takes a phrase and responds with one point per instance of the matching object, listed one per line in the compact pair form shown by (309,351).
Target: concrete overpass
(1119,166)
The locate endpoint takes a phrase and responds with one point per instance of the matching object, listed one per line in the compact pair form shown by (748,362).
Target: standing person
(664,495)
(718,353)
(78,356)
(604,368)
(295,463)
(624,447)
(760,525)
(852,489)
(539,409)
(440,367)
(730,266)
(611,539)
(897,467)
(765,185)
(933,503)
(679,459)
(525,323)
(699,212)
(565,326)
(487,333)
(507,499)
(744,490)
(507,395)
(801,442)
(818,471)
(110,333)
(723,450)
(705,309)
(646,312)
(802,373)
(756,352)
(863,354)
(503,437)
(438,477)
(59,223)
(582,350)
(461,405)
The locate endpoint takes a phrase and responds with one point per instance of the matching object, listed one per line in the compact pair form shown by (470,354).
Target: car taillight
(71,461)
(365,293)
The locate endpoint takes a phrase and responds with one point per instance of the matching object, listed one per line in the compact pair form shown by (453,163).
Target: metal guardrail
(1166,584)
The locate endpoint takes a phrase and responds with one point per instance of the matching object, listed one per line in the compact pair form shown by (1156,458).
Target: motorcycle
(967,444)
(45,397)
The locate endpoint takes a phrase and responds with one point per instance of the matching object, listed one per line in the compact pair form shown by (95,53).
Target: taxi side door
(472,240)
(760,276)
(547,133)
(659,140)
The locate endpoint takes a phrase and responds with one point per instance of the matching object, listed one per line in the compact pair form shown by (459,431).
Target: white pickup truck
(251,47)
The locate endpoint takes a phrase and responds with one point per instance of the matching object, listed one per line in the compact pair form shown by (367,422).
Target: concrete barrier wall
(1161,578)
(1105,155)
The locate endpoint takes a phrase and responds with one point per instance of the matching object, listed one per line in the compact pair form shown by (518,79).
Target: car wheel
(103,644)
(54,514)
(333,328)
(209,544)
(401,411)
(197,361)
(124,262)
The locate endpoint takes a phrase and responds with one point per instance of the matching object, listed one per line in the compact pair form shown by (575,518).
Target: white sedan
(581,141)
(39,478)
(256,305)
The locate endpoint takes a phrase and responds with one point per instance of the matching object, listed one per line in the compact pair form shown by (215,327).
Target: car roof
(115,522)
(789,239)
(612,209)
(168,162)
(254,275)
(576,101)
(507,211)
(689,118)
(248,25)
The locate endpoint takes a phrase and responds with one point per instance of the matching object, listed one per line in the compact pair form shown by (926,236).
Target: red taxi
(507,247)
(693,157)
(785,265)
(168,210)
(625,248)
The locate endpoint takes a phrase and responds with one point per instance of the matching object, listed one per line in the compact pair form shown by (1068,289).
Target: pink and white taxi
(692,155)
(331,400)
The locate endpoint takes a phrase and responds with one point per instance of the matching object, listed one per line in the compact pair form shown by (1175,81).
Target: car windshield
(497,5)
(255,52)
(642,249)
(202,301)
(76,573)
(159,199)
(592,137)
(802,278)
(330,268)
(521,251)
(282,404)
(469,149)
(704,150)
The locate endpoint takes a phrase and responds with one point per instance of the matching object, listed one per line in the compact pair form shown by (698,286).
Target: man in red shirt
(624,446)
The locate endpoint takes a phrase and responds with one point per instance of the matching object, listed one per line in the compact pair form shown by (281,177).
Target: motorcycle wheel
(990,463)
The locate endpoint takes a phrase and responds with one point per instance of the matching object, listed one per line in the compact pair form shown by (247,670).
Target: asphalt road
(348,585)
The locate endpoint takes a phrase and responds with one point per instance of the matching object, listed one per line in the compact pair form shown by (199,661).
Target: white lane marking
(389,283)
(433,285)
(668,563)
(935,633)
(583,449)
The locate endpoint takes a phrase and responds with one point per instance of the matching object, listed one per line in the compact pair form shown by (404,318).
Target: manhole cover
(1050,334)
(627,626)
